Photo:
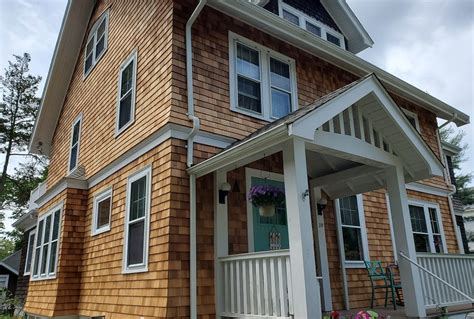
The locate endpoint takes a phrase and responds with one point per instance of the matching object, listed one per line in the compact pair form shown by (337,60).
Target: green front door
(270,232)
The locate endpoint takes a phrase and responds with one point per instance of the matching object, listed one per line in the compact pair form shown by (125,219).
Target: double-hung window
(126,93)
(312,25)
(263,82)
(96,42)
(102,212)
(29,252)
(75,141)
(427,229)
(352,231)
(137,222)
(47,244)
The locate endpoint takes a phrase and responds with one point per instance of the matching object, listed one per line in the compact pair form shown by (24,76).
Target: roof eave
(66,53)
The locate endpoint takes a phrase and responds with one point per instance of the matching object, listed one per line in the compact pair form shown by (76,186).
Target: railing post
(303,269)
(410,276)
(221,241)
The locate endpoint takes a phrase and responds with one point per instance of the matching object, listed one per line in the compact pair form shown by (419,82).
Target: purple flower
(260,195)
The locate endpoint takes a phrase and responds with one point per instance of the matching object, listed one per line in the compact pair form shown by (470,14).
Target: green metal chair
(377,275)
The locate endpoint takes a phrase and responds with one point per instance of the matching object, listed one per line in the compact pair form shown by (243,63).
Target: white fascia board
(357,36)
(417,187)
(9,268)
(280,28)
(26,221)
(65,56)
(65,182)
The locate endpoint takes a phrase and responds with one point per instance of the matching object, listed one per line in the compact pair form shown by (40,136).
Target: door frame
(249,173)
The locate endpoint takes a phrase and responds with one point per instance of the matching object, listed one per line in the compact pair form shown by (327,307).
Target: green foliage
(7,247)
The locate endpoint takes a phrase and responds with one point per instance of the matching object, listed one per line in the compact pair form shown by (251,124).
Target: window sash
(93,41)
(123,120)
(75,142)
(98,199)
(429,211)
(29,252)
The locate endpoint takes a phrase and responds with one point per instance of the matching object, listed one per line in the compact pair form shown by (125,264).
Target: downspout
(455,116)
(189,160)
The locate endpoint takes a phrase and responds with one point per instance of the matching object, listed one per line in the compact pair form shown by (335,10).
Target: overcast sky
(428,43)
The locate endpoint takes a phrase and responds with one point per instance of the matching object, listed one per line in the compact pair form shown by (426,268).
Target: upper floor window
(413,119)
(102,212)
(137,223)
(29,252)
(310,24)
(353,234)
(45,258)
(75,141)
(427,227)
(96,42)
(262,82)
(126,93)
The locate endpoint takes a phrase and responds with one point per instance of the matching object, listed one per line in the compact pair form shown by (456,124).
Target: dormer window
(96,42)
(311,25)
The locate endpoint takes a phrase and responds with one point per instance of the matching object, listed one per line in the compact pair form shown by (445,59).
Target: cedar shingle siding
(90,281)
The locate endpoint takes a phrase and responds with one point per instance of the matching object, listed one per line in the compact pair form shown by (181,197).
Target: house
(9,272)
(469,226)
(159,116)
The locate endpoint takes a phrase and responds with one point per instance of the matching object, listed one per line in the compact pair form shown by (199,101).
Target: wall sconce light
(322,203)
(224,190)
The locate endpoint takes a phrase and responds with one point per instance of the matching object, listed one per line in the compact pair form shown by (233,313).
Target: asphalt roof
(12,261)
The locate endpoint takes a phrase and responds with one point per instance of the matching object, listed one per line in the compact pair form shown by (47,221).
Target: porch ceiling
(352,135)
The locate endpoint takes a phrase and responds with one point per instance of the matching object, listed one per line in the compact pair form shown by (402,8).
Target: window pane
(418,223)
(352,243)
(99,47)
(44,259)
(127,79)
(137,199)
(136,237)
(52,259)
(281,103)
(421,243)
(333,39)
(103,213)
(438,243)
(291,17)
(37,260)
(125,110)
(434,220)
(47,229)
(88,64)
(57,216)
(73,159)
(249,95)
(349,211)
(101,29)
(280,74)
(75,132)
(412,121)
(40,234)
(248,62)
(313,29)
(90,46)
(31,239)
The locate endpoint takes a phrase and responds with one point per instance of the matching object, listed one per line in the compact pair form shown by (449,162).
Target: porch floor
(453,312)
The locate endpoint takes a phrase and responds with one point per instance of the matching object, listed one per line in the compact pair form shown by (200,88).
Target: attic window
(311,25)
(96,42)
(413,119)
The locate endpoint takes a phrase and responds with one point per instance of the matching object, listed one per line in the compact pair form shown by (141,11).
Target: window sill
(118,131)
(135,270)
(354,264)
(100,231)
(43,278)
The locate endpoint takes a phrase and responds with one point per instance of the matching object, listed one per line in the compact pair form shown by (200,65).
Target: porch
(351,141)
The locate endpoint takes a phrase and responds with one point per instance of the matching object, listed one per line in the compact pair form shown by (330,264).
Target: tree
(463,191)
(7,247)
(17,111)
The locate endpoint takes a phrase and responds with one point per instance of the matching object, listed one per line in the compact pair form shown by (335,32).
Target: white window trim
(31,234)
(93,34)
(426,205)
(130,58)
(143,267)
(414,116)
(6,281)
(48,275)
(303,18)
(265,87)
(103,195)
(78,119)
(363,228)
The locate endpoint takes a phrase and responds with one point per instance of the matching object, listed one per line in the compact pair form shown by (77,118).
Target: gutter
(454,118)
(190,156)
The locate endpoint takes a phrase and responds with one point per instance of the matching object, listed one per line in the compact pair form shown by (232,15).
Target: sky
(428,43)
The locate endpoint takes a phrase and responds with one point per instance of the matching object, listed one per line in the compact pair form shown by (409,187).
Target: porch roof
(407,146)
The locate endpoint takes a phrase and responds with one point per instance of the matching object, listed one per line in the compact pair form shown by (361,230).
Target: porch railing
(447,279)
(35,194)
(257,284)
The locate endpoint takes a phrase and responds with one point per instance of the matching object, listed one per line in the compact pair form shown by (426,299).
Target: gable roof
(305,121)
(12,262)
(74,26)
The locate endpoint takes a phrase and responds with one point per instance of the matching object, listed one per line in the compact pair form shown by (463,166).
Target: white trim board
(428,189)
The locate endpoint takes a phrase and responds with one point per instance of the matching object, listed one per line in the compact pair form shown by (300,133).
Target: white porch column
(306,293)
(221,241)
(409,273)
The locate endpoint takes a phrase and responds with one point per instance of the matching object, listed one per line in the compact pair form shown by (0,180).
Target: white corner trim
(428,189)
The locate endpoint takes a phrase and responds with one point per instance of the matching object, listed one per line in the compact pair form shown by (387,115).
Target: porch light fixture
(322,203)
(224,190)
